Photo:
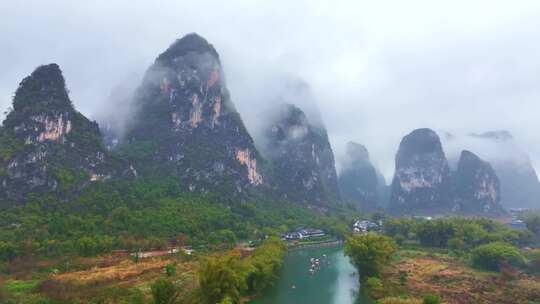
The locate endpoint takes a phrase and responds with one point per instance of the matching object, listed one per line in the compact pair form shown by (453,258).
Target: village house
(365,226)
(303,234)
(517,224)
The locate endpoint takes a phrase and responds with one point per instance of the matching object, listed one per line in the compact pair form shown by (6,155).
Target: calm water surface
(335,283)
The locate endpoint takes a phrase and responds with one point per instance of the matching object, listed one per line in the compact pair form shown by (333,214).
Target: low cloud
(376,70)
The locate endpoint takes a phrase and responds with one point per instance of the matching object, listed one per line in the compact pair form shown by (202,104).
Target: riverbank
(105,279)
(416,273)
(332,243)
(197,278)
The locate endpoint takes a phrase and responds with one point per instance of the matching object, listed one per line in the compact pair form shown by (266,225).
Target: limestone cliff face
(422,180)
(520,187)
(46,145)
(302,160)
(186,125)
(477,187)
(359,180)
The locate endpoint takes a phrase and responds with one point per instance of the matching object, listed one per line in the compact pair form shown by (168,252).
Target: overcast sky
(378,69)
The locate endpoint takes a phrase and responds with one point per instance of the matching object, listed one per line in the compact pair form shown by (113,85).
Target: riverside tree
(224,278)
(221,277)
(369,253)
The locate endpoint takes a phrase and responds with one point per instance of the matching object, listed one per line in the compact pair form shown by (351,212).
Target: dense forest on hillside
(147,215)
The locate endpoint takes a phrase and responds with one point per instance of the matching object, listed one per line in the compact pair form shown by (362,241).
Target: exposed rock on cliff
(477,188)
(301,157)
(186,125)
(46,146)
(520,187)
(422,180)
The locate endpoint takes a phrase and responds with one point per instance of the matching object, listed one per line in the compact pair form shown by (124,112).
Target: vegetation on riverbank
(226,278)
(369,253)
(180,279)
(416,273)
(460,260)
(53,252)
(46,242)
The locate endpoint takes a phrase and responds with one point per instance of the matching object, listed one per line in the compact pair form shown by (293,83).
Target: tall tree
(369,253)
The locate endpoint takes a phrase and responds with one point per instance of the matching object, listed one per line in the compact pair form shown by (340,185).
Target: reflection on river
(334,282)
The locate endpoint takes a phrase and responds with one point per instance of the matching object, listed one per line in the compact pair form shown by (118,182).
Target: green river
(336,281)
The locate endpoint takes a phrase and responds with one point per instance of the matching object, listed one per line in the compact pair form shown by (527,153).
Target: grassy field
(416,273)
(102,280)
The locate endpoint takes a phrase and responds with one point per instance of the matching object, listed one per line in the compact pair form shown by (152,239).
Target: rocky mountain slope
(422,180)
(520,187)
(186,124)
(46,146)
(301,157)
(424,184)
(359,180)
(477,187)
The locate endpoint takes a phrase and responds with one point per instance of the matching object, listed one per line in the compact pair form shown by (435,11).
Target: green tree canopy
(533,223)
(266,262)
(491,256)
(222,276)
(435,233)
(369,253)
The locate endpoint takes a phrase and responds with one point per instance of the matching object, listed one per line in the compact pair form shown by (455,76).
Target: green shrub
(170,270)
(136,297)
(163,292)
(66,179)
(374,286)
(431,299)
(8,251)
(227,300)
(395,300)
(456,244)
(403,277)
(9,145)
(16,286)
(87,246)
(490,256)
(399,239)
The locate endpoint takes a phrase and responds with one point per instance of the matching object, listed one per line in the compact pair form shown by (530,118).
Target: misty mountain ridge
(359,181)
(476,187)
(184,125)
(422,179)
(49,147)
(114,124)
(520,187)
(301,157)
(425,183)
